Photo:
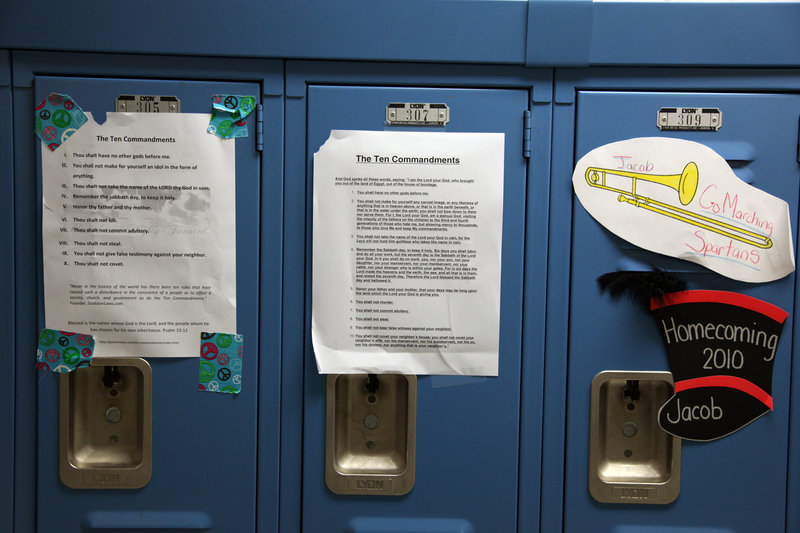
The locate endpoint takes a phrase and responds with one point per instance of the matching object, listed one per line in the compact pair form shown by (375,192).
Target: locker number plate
(417,114)
(141,103)
(689,118)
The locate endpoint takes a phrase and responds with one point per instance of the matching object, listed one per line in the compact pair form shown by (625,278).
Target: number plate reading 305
(689,118)
(140,103)
(417,114)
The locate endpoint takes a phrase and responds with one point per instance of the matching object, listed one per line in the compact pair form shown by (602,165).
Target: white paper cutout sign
(680,198)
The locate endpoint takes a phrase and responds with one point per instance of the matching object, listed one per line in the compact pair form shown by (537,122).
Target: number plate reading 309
(417,114)
(689,118)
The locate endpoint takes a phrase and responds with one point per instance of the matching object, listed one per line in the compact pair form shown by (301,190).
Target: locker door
(467,428)
(204,444)
(734,484)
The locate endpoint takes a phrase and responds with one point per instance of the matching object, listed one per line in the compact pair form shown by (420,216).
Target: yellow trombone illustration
(685,184)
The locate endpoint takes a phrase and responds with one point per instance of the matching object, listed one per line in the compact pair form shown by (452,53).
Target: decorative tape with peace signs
(229,114)
(56,118)
(220,362)
(63,351)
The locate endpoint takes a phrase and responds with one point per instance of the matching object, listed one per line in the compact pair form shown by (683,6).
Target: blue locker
(498,454)
(467,437)
(205,445)
(735,484)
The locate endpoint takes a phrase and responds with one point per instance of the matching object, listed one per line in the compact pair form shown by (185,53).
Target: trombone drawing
(685,184)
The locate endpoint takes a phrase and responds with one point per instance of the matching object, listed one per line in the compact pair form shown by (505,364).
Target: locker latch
(111,377)
(372,383)
(632,390)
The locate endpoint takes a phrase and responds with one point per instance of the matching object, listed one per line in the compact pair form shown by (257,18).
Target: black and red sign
(721,348)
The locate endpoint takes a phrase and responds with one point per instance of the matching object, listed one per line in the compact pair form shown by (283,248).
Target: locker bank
(566,436)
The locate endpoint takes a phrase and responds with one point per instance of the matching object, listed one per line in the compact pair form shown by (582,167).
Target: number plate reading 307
(417,114)
(689,118)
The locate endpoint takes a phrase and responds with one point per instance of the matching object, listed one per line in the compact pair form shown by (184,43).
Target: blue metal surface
(270,296)
(26,298)
(532,430)
(467,440)
(748,467)
(7,277)
(559,32)
(554,394)
(146,521)
(191,470)
(696,33)
(534,33)
(793,468)
(583,33)
(416,30)
(409,525)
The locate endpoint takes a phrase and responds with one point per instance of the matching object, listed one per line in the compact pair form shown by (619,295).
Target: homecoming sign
(721,348)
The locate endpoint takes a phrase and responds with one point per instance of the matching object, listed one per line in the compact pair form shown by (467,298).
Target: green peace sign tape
(47,337)
(225,127)
(54,114)
(226,366)
(61,118)
(74,350)
(71,355)
(207,371)
(223,340)
(246,104)
(229,113)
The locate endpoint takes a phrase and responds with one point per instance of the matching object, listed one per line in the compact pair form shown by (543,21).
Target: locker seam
(260,315)
(33,422)
(548,319)
(12,288)
(307,233)
(526,125)
(789,458)
(568,363)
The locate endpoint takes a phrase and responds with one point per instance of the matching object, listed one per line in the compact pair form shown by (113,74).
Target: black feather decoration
(640,287)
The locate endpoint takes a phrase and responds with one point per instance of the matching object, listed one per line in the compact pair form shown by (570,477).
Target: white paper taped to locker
(682,199)
(407,252)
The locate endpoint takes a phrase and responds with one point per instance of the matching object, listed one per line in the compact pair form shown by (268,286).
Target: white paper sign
(680,198)
(406,252)
(139,234)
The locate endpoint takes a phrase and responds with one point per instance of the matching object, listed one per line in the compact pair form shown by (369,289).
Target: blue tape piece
(56,118)
(220,362)
(229,114)
(63,351)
